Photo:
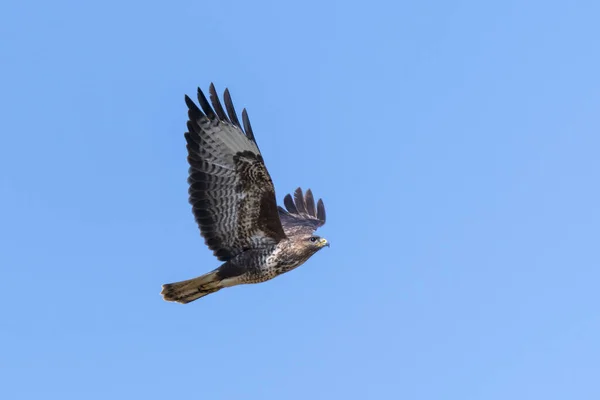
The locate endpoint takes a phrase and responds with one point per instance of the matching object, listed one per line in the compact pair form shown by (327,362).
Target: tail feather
(192,289)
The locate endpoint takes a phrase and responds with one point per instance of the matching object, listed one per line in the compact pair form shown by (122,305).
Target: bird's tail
(187,291)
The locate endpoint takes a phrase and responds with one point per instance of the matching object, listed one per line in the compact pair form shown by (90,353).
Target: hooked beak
(323,242)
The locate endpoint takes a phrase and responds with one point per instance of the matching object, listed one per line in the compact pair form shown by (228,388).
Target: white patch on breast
(272,260)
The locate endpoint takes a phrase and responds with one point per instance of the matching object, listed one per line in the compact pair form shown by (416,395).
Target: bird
(234,204)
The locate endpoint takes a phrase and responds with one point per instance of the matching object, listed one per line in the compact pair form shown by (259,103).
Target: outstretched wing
(301,216)
(230,190)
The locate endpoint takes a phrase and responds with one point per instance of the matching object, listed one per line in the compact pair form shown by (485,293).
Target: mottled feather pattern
(231,192)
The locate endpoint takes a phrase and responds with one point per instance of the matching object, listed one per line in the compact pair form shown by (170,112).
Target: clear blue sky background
(456,146)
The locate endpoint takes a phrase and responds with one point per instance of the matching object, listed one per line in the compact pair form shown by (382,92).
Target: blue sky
(455,145)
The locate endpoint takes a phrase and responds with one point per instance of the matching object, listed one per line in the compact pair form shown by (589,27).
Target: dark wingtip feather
(189,102)
(194,112)
(214,98)
(230,109)
(247,126)
(309,201)
(299,200)
(282,210)
(321,211)
(205,105)
(289,204)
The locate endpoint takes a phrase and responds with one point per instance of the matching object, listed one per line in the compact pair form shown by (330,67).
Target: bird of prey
(233,202)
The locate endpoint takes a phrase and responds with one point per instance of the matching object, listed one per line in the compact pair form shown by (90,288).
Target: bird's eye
(313,239)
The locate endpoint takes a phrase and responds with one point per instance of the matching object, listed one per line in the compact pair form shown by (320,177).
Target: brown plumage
(233,202)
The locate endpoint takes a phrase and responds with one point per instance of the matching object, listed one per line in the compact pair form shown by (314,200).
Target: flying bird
(233,201)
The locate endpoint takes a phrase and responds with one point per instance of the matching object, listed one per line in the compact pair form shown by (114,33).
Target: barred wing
(301,216)
(230,189)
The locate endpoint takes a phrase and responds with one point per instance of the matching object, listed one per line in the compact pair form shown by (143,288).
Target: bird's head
(314,243)
(304,246)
